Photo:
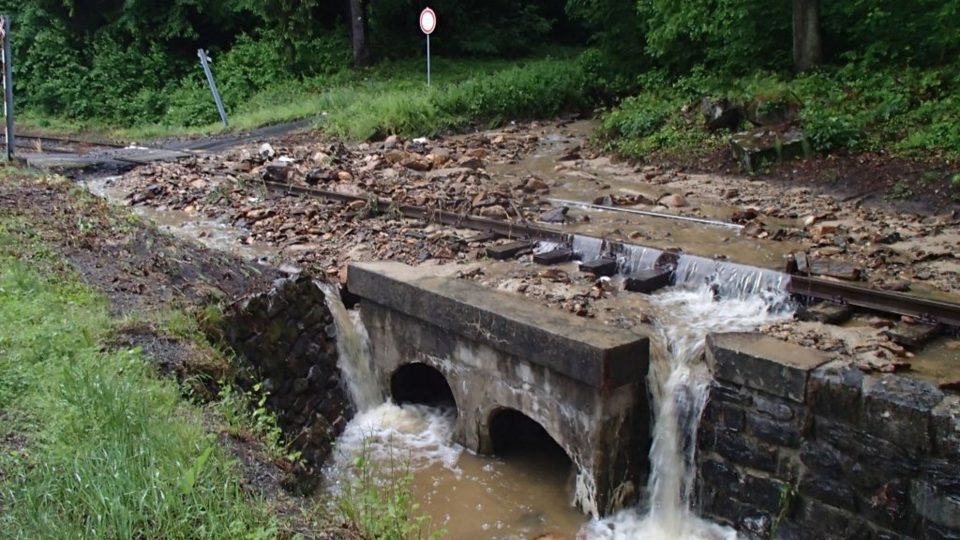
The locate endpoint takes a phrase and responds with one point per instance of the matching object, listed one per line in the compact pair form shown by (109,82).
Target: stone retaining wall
(793,446)
(286,339)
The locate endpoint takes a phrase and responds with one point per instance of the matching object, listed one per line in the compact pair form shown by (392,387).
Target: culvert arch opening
(517,438)
(421,384)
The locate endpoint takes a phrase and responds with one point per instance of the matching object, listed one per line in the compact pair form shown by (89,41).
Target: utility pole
(7,84)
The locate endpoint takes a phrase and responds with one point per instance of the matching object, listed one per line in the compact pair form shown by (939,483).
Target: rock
(391,142)
(673,201)
(823,230)
(753,148)
(267,151)
(415,164)
(317,176)
(479,153)
(721,113)
(557,215)
(745,215)
(277,172)
(470,162)
(730,193)
(344,176)
(439,157)
(395,156)
(495,212)
(535,184)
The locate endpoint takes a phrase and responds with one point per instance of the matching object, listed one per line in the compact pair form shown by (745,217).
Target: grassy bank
(908,112)
(95,444)
(390,98)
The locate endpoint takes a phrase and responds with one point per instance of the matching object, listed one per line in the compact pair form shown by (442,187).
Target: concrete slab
(584,350)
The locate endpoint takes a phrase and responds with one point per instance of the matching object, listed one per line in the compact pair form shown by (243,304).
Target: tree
(358,33)
(807,44)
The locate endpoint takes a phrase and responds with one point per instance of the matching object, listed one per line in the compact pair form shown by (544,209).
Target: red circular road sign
(428,21)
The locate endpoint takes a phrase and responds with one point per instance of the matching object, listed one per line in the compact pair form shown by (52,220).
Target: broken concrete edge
(877,454)
(584,350)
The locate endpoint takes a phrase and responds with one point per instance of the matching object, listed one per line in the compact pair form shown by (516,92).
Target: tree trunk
(807,47)
(358,33)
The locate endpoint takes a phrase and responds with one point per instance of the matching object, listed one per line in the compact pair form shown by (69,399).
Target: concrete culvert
(515,435)
(420,383)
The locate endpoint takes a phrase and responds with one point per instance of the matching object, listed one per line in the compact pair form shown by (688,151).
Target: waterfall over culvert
(477,497)
(710,297)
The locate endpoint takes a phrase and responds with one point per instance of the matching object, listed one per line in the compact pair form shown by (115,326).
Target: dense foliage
(890,67)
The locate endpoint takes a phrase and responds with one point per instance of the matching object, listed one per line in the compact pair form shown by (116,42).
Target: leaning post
(7,84)
(205,62)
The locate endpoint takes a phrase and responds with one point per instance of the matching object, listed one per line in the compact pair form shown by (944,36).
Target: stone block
(899,409)
(724,415)
(647,281)
(872,461)
(823,459)
(719,475)
(763,363)
(556,256)
(942,473)
(777,432)
(506,251)
(831,523)
(945,420)
(754,148)
(739,448)
(889,506)
(913,335)
(835,392)
(604,266)
(730,393)
(936,505)
(766,494)
(587,351)
(836,493)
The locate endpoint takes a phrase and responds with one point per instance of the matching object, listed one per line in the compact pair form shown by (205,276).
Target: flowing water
(467,496)
(473,497)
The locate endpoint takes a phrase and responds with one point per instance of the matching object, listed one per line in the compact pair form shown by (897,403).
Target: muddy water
(517,496)
(212,233)
(586,180)
(469,497)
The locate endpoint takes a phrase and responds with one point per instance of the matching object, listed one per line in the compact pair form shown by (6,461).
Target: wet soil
(894,183)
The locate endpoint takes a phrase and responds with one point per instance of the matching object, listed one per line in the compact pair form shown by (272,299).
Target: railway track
(27,141)
(924,309)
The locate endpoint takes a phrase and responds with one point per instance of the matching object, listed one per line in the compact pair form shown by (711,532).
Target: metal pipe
(591,206)
(7,84)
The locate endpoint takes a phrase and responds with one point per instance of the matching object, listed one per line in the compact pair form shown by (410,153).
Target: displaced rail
(936,311)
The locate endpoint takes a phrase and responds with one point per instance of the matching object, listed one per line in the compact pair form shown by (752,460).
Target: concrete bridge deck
(583,382)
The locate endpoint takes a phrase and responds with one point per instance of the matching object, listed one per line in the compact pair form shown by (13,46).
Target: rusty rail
(822,289)
(886,301)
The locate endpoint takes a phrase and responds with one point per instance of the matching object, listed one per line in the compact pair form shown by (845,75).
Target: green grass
(908,112)
(391,97)
(95,444)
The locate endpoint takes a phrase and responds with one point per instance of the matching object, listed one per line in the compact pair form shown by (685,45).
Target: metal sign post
(428,23)
(7,84)
(205,62)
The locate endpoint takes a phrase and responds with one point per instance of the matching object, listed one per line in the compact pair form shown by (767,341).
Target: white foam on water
(416,435)
(679,382)
(546,246)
